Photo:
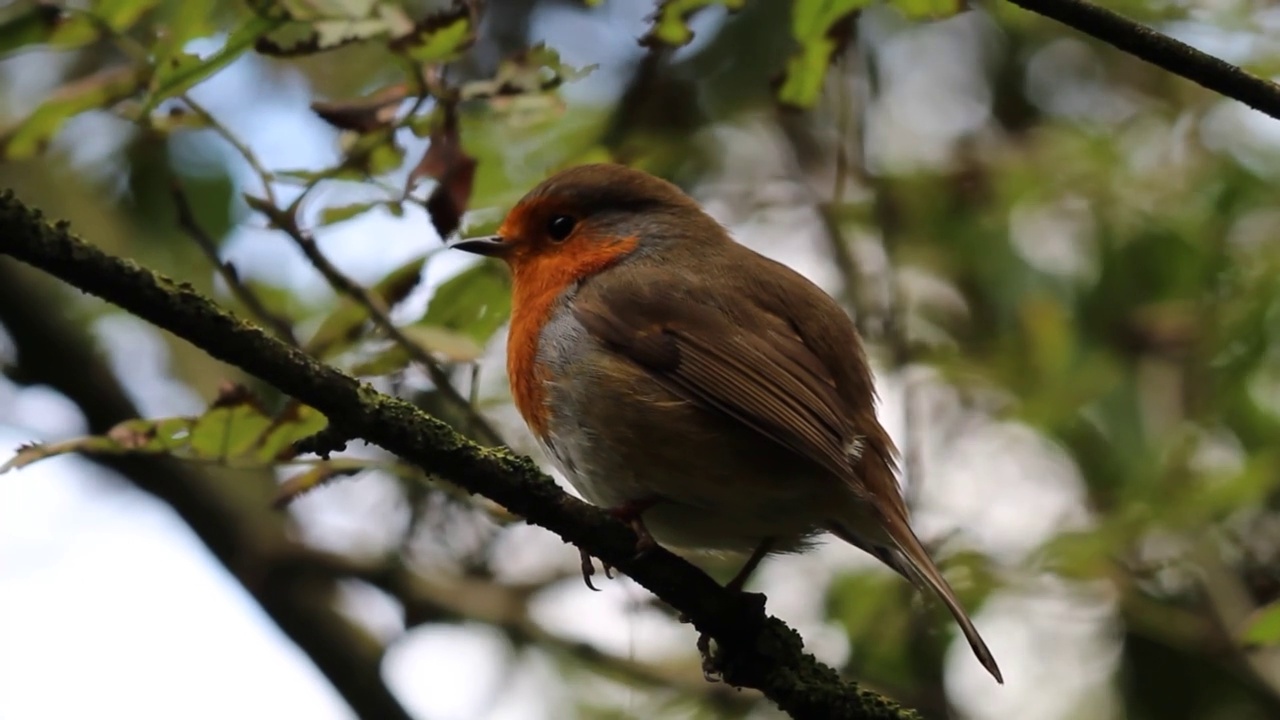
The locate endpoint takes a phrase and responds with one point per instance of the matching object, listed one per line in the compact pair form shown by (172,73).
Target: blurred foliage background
(1065,262)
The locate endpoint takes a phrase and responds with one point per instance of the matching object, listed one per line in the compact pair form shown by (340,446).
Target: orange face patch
(541,271)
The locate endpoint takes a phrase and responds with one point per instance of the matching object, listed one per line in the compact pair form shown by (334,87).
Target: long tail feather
(912,561)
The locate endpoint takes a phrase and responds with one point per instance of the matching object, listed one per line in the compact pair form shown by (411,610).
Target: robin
(713,398)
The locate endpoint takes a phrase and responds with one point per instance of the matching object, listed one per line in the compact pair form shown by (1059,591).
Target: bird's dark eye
(560,226)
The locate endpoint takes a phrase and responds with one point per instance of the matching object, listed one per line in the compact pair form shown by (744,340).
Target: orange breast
(539,276)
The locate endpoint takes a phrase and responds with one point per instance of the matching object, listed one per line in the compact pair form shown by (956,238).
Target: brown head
(574,225)
(588,217)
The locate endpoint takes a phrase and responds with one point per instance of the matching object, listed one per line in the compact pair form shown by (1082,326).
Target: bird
(714,399)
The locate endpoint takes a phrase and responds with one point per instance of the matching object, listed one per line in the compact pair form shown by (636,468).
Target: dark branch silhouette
(1162,51)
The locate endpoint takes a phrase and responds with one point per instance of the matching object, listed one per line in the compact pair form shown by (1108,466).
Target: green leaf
(928,9)
(121,15)
(180,72)
(447,345)
(46,23)
(296,422)
(100,90)
(391,360)
(1263,628)
(476,302)
(322,9)
(535,70)
(341,328)
(227,432)
(186,20)
(297,485)
(820,26)
(371,154)
(450,346)
(671,20)
(235,428)
(334,215)
(29,27)
(437,38)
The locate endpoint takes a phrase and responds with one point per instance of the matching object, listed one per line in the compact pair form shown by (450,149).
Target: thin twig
(187,221)
(285,219)
(378,313)
(1162,51)
(264,175)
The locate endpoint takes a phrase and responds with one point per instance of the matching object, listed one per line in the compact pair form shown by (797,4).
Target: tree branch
(753,649)
(233,520)
(187,221)
(1162,51)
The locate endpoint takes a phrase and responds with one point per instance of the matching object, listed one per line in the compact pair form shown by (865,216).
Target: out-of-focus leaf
(29,26)
(47,23)
(373,154)
(100,90)
(1263,628)
(313,477)
(122,14)
(389,361)
(234,429)
(315,27)
(333,215)
(453,170)
(822,27)
(342,326)
(173,119)
(870,607)
(325,9)
(448,345)
(186,20)
(439,37)
(182,71)
(928,9)
(375,112)
(537,69)
(228,430)
(671,20)
(292,424)
(476,302)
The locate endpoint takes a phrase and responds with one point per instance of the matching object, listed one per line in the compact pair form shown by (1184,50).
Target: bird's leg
(630,513)
(753,562)
(739,581)
(709,670)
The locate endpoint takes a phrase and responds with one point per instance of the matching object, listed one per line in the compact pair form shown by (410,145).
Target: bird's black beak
(491,246)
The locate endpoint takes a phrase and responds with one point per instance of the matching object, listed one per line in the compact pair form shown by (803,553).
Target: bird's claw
(710,671)
(589,569)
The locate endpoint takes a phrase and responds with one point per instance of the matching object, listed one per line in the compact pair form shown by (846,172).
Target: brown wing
(754,369)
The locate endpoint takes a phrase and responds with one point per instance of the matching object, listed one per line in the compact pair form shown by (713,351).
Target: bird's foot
(589,569)
(710,668)
(631,513)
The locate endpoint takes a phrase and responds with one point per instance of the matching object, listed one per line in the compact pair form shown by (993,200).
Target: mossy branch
(755,650)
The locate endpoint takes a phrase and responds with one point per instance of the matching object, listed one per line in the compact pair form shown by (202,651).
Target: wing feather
(760,373)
